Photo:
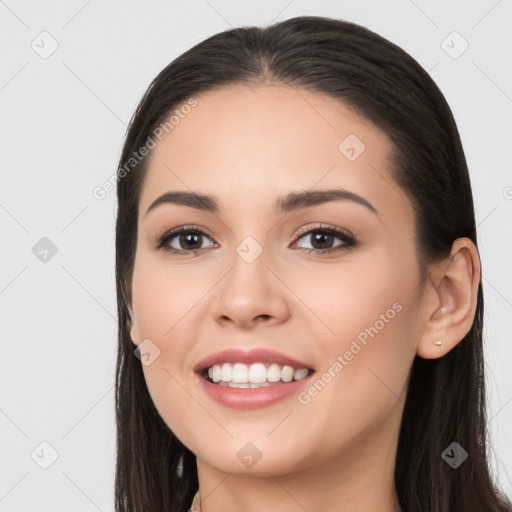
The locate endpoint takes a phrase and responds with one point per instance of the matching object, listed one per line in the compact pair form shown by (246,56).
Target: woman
(345,374)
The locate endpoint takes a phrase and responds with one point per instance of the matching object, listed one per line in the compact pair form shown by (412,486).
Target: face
(332,285)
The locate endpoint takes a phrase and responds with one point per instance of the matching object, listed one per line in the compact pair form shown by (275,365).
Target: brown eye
(186,238)
(323,238)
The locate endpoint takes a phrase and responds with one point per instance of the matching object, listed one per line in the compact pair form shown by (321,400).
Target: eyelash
(349,240)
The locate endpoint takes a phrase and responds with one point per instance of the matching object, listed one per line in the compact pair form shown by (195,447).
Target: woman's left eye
(325,235)
(190,238)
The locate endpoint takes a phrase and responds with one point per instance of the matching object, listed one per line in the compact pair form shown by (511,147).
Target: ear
(132,325)
(451,297)
(131,322)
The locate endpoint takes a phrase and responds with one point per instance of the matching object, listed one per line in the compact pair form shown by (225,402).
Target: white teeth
(238,385)
(257,373)
(300,374)
(216,373)
(274,373)
(243,385)
(225,372)
(287,375)
(240,375)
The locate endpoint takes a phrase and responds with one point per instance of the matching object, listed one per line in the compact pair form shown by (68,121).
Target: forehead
(248,145)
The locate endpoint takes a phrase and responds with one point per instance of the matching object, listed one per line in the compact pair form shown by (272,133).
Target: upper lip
(255,355)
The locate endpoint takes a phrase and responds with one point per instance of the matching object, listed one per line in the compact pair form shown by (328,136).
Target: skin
(248,146)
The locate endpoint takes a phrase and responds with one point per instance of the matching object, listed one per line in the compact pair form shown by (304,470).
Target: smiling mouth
(255,375)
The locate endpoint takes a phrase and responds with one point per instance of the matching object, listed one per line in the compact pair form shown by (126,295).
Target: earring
(438,342)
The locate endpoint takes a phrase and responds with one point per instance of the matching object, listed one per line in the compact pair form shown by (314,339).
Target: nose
(250,294)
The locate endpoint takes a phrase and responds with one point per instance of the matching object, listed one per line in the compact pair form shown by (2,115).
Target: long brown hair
(380,81)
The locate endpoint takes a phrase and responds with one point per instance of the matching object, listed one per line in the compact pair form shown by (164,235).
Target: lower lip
(251,398)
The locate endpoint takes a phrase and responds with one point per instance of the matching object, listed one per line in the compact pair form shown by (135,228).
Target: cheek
(365,298)
(164,297)
(363,378)
(163,301)
(366,337)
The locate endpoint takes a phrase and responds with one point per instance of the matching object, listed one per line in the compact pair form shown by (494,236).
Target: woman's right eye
(189,238)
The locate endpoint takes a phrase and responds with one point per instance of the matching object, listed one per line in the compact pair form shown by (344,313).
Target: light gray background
(62,122)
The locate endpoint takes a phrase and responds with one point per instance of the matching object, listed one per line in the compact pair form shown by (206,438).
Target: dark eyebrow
(288,203)
(298,200)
